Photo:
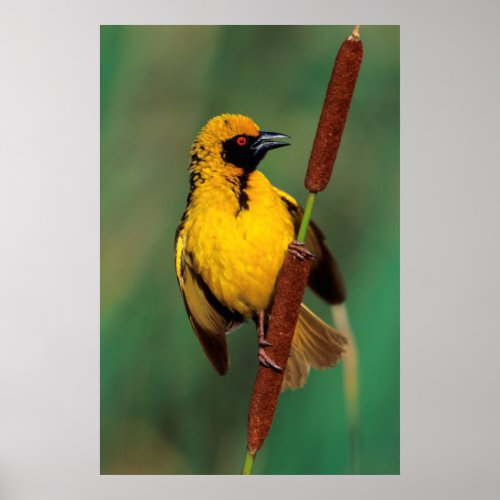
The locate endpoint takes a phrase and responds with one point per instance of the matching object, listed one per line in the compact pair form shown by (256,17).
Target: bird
(231,242)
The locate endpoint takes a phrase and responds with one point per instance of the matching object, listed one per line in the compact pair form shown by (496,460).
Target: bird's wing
(315,344)
(209,318)
(324,277)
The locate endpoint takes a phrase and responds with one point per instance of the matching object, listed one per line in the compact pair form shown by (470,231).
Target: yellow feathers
(227,245)
(232,239)
(224,127)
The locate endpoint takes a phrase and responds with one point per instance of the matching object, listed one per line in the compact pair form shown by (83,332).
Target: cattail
(292,280)
(290,288)
(334,113)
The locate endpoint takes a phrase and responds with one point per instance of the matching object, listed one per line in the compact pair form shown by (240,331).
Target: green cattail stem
(248,463)
(306,217)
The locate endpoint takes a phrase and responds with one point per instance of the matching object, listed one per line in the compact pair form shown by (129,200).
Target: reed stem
(306,218)
(248,463)
(351,386)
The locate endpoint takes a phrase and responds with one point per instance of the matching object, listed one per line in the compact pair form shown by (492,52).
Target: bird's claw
(266,361)
(298,249)
(264,358)
(264,343)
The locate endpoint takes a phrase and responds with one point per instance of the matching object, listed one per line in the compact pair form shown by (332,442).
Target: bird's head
(229,142)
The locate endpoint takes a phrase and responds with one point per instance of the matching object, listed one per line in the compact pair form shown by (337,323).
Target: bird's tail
(314,344)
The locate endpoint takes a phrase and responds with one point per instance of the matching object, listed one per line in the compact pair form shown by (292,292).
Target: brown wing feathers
(314,344)
(325,277)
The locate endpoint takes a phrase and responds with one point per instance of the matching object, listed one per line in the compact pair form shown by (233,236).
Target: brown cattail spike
(289,294)
(334,113)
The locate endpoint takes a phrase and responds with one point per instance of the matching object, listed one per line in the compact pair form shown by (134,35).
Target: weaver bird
(230,245)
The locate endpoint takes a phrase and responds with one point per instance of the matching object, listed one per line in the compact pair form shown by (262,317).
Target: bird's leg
(261,329)
(298,249)
(264,359)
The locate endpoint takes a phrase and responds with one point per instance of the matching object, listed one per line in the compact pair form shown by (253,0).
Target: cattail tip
(355,34)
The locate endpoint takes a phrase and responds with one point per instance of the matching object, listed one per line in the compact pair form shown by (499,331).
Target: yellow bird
(230,245)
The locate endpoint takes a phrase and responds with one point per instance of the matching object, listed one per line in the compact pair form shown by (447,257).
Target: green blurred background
(163,408)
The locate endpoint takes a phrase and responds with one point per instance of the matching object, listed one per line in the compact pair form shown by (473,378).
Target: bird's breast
(239,251)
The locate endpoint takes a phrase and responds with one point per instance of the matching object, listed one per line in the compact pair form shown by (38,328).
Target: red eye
(241,140)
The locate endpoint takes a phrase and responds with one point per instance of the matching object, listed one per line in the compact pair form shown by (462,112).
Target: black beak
(267,141)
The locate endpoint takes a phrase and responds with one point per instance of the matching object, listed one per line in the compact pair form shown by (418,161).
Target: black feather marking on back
(180,227)
(294,212)
(195,179)
(242,194)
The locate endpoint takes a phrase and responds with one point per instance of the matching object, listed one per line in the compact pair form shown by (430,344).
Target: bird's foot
(298,249)
(267,361)
(264,358)
(263,342)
